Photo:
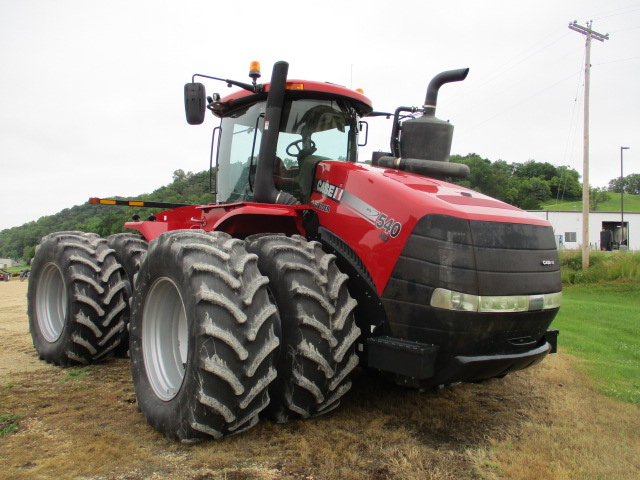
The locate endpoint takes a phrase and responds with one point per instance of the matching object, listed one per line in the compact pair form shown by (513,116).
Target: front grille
(480,258)
(475,257)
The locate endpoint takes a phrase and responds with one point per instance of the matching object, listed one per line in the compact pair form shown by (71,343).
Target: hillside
(19,242)
(631,204)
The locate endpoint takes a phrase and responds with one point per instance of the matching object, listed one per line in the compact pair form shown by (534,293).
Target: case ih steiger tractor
(308,265)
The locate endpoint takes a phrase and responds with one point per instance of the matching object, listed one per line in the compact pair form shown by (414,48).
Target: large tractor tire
(318,331)
(76,299)
(202,336)
(129,249)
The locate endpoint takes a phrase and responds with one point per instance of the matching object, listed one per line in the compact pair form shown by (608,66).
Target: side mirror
(363,128)
(194,103)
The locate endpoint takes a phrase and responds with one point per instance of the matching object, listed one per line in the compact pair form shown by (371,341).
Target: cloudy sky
(91,91)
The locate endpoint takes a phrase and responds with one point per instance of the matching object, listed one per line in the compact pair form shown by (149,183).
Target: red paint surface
(401,197)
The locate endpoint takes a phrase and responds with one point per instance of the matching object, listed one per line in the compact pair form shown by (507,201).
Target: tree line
(20,242)
(526,185)
(630,184)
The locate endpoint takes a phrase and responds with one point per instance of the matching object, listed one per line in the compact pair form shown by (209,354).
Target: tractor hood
(375,210)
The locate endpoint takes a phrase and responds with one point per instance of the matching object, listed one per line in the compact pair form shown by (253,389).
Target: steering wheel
(296,149)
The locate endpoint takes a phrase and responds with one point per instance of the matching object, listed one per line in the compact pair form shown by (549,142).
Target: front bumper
(481,367)
(415,364)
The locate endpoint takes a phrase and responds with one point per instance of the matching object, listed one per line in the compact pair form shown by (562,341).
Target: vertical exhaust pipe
(431,100)
(427,137)
(264,191)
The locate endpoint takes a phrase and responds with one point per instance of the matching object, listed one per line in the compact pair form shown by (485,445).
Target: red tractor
(308,265)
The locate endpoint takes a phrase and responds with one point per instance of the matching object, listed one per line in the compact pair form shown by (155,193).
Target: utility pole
(589,33)
(622,149)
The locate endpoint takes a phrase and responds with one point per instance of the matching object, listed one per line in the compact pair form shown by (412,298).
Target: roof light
(295,86)
(359,90)
(254,70)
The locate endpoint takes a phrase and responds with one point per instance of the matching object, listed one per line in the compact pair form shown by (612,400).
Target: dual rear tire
(76,299)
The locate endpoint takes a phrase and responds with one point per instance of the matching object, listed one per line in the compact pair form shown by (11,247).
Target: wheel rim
(51,302)
(164,338)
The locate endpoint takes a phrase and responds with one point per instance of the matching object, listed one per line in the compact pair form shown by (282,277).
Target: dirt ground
(543,423)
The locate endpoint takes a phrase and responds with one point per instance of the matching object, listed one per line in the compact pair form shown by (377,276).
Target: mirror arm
(245,86)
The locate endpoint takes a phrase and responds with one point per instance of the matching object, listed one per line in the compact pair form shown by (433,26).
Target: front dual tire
(318,330)
(202,336)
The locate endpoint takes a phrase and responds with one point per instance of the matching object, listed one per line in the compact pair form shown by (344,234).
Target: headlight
(450,300)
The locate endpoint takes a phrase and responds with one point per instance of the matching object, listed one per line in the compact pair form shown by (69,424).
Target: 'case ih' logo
(328,190)
(548,262)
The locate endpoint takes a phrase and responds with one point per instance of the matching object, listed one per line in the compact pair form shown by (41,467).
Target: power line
(614,61)
(509,65)
(522,101)
(571,140)
(517,84)
(626,29)
(611,13)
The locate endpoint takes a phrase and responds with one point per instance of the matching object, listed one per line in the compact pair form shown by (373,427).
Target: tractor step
(404,357)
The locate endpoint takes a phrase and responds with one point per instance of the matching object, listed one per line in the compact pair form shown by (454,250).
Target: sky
(91,92)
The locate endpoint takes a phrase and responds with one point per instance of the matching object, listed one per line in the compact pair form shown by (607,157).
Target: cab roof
(296,89)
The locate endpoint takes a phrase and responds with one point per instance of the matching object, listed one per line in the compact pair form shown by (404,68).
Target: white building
(7,262)
(604,229)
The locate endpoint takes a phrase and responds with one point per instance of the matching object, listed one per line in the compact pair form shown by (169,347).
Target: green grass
(15,269)
(631,204)
(9,423)
(601,324)
(76,373)
(603,266)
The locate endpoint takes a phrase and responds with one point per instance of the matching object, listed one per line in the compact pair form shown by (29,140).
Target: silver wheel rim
(165,338)
(51,302)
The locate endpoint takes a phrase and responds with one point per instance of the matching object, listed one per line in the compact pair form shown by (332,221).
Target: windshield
(310,131)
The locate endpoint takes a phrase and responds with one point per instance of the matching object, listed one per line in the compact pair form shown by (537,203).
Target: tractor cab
(315,122)
(310,131)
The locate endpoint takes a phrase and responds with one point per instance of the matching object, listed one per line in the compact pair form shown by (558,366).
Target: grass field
(603,267)
(631,204)
(544,423)
(601,324)
(15,269)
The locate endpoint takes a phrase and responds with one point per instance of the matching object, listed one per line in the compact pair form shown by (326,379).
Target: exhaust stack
(264,190)
(429,107)
(427,137)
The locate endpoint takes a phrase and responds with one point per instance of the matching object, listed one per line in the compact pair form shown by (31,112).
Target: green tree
(524,185)
(532,192)
(631,184)
(565,185)
(531,168)
(480,177)
(596,197)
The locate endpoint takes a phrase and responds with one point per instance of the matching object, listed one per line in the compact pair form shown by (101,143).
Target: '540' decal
(389,225)
(380,220)
(358,206)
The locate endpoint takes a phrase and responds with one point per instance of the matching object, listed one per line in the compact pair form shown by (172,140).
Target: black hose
(429,168)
